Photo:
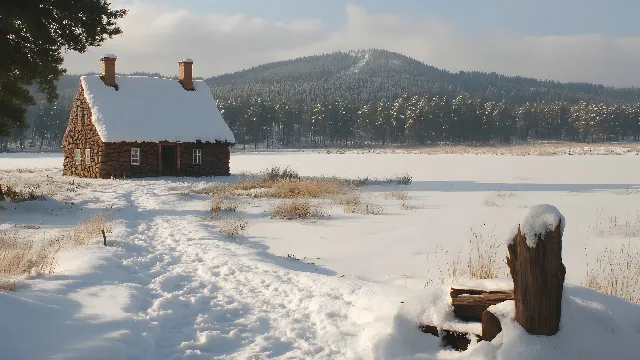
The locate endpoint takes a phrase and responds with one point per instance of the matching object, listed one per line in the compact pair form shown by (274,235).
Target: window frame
(78,157)
(135,160)
(197,157)
(87,156)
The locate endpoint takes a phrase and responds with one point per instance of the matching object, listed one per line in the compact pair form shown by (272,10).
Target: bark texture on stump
(538,277)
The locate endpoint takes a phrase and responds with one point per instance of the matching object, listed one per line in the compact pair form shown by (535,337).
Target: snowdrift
(593,326)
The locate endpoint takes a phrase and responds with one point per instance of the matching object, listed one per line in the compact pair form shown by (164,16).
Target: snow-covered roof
(154,109)
(109,56)
(187,60)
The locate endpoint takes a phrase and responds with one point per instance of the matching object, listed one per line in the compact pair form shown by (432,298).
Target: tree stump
(538,277)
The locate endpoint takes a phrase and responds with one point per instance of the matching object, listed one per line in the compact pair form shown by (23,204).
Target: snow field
(171,286)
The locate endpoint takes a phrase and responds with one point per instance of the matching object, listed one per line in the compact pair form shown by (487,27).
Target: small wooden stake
(104,236)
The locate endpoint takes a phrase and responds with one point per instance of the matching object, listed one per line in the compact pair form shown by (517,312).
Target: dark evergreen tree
(32,36)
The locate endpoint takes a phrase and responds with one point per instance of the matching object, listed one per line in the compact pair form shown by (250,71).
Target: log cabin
(135,126)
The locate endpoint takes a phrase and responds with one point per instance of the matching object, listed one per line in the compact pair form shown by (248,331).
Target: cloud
(156,36)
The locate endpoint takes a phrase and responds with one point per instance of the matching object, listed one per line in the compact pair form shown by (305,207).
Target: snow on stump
(535,263)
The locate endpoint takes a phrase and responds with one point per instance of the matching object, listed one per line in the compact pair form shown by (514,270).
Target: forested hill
(371,75)
(380,96)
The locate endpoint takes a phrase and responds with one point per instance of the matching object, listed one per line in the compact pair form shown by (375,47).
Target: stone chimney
(185,74)
(108,71)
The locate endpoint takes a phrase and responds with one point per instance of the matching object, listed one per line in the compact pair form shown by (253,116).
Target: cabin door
(169,160)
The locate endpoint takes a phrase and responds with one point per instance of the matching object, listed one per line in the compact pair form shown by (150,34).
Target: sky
(565,40)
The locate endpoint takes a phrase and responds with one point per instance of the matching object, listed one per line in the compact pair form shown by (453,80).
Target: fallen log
(458,340)
(456,292)
(469,304)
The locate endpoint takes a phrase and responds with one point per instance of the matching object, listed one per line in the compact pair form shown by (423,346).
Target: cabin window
(197,156)
(135,156)
(87,156)
(78,157)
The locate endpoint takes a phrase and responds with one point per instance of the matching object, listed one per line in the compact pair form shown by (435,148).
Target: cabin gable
(81,135)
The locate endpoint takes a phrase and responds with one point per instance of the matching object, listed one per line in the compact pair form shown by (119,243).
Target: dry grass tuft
(616,226)
(284,183)
(289,184)
(22,186)
(224,202)
(234,227)
(353,204)
(407,206)
(289,189)
(309,188)
(16,195)
(24,256)
(91,229)
(451,272)
(399,195)
(616,272)
(277,173)
(483,260)
(7,285)
(297,209)
(498,198)
(28,254)
(403,197)
(628,191)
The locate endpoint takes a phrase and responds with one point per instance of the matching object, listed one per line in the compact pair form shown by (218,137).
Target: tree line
(420,120)
(408,120)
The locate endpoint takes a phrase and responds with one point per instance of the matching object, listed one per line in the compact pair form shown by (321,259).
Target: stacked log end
(491,326)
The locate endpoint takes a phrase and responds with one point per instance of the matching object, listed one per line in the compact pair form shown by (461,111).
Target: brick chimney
(108,71)
(185,74)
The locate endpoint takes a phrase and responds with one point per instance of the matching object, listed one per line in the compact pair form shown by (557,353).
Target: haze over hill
(374,74)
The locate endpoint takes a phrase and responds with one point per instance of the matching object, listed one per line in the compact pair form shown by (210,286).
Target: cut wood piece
(469,304)
(491,326)
(458,340)
(455,292)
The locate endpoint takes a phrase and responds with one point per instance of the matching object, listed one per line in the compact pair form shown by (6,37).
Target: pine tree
(32,36)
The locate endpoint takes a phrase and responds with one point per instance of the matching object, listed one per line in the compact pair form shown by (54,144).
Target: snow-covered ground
(170,286)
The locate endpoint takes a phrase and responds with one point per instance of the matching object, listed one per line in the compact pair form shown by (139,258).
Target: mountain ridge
(366,75)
